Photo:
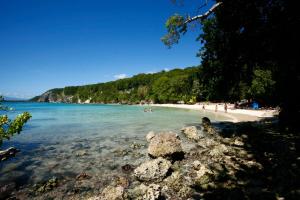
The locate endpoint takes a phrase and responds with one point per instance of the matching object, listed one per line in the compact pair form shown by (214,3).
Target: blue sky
(47,44)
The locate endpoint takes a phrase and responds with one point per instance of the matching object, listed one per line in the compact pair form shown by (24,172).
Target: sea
(65,140)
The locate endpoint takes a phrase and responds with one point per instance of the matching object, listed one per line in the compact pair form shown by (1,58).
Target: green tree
(262,84)
(8,128)
(237,36)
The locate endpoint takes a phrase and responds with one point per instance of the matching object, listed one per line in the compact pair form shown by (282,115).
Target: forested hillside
(162,87)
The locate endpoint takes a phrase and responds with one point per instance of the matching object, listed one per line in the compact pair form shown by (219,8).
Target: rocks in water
(143,192)
(149,136)
(153,170)
(166,145)
(49,185)
(191,132)
(81,153)
(135,145)
(127,168)
(83,176)
(8,153)
(121,152)
(6,190)
(112,193)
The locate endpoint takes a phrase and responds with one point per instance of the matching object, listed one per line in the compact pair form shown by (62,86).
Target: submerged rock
(83,176)
(153,170)
(6,190)
(191,132)
(49,185)
(165,145)
(127,168)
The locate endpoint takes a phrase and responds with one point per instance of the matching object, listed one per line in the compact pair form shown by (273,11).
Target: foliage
(240,36)
(162,87)
(10,127)
(262,83)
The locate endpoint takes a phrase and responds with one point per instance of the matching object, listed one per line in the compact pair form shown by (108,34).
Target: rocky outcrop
(192,133)
(167,145)
(152,170)
(54,97)
(207,126)
(112,193)
(144,192)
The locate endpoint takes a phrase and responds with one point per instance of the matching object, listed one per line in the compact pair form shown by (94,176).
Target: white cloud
(120,76)
(166,69)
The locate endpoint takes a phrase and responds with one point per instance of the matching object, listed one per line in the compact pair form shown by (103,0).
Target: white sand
(236,115)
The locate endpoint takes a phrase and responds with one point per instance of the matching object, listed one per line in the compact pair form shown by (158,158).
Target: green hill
(162,87)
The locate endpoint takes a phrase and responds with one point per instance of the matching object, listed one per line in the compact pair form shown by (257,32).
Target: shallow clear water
(63,140)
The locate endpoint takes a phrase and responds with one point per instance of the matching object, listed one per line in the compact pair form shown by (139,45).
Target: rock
(177,186)
(166,145)
(204,176)
(6,190)
(122,181)
(127,168)
(219,150)
(143,192)
(8,153)
(153,170)
(49,185)
(136,145)
(207,127)
(196,165)
(191,132)
(150,135)
(112,193)
(206,122)
(81,153)
(238,142)
(83,176)
(207,142)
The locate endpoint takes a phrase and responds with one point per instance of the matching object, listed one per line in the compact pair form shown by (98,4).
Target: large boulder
(191,132)
(207,126)
(153,170)
(165,145)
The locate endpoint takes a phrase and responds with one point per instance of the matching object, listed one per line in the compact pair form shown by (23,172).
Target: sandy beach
(236,115)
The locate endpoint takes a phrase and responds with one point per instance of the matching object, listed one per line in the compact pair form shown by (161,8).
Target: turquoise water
(63,140)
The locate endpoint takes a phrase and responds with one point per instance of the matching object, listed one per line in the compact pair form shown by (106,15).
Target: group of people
(216,107)
(147,109)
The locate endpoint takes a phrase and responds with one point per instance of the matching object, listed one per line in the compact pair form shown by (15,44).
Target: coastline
(236,115)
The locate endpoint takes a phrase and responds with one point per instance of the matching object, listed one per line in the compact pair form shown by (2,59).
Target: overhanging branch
(203,16)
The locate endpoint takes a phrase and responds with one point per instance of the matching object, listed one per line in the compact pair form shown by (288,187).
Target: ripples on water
(63,140)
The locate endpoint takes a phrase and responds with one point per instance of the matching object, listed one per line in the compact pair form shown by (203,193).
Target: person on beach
(216,108)
(203,107)
(225,107)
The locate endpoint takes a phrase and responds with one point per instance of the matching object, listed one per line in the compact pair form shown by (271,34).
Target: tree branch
(203,16)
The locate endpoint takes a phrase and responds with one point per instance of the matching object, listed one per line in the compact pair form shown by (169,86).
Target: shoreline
(236,115)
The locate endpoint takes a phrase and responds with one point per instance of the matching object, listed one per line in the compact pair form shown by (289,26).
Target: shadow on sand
(276,151)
